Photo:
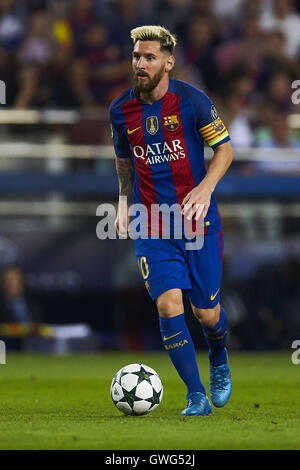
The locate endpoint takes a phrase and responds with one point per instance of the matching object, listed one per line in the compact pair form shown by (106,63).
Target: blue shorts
(166,264)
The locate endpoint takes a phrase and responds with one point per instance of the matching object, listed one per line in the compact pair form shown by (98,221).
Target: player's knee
(169,304)
(208,316)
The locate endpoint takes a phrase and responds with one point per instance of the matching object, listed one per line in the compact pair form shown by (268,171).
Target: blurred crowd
(75,54)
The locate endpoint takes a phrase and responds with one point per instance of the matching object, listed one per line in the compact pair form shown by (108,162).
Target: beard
(152,83)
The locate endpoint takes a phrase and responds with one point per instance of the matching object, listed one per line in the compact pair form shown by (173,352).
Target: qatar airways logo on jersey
(160,152)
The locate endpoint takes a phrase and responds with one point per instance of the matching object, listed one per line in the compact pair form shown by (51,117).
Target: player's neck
(159,91)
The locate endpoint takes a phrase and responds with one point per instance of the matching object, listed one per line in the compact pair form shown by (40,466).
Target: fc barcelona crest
(171,123)
(218,125)
(152,124)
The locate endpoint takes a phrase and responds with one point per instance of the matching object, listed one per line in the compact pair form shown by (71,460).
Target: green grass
(63,402)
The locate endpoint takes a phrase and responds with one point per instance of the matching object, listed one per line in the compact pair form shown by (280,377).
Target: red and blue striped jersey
(166,142)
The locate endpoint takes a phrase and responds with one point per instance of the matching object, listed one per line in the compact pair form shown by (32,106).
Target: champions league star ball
(136,389)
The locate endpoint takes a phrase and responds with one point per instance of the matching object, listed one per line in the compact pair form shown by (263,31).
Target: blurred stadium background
(63,61)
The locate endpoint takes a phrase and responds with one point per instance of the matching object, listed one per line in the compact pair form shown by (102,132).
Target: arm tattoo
(125,172)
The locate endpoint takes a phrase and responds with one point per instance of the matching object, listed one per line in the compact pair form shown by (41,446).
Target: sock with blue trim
(216,337)
(179,344)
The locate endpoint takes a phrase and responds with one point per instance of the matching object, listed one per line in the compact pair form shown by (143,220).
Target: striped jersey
(166,142)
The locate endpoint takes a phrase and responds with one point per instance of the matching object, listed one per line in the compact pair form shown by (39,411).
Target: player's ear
(170,63)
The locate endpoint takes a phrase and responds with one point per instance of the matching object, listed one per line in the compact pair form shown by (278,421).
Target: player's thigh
(162,267)
(205,269)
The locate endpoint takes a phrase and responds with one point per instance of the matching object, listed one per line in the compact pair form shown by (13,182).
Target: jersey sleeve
(209,124)
(120,141)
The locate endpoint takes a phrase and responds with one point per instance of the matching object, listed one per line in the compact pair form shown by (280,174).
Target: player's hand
(197,202)
(121,225)
(122,220)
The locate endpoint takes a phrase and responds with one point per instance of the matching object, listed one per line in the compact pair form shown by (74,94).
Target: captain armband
(214,132)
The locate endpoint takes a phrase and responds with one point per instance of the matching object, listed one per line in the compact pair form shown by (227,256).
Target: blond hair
(155,33)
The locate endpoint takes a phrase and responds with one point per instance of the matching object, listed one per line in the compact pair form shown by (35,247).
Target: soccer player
(159,127)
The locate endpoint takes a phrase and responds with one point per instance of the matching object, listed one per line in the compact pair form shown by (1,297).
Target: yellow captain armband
(214,132)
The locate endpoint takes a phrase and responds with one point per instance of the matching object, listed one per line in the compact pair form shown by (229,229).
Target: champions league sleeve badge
(214,112)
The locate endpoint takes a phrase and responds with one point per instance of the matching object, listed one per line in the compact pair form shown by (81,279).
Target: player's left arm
(201,194)
(215,134)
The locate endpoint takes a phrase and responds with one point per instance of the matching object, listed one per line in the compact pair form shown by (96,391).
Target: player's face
(149,64)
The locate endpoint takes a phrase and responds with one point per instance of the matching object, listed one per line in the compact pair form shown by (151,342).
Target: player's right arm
(125,172)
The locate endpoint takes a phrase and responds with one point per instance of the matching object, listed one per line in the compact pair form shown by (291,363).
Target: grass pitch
(63,402)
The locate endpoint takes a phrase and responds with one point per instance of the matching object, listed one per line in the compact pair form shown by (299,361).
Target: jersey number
(143,265)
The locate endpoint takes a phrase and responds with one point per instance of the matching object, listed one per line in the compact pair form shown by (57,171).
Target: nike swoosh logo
(213,296)
(133,130)
(173,336)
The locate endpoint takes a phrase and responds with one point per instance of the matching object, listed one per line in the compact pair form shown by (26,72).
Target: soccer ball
(136,389)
